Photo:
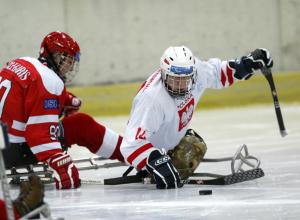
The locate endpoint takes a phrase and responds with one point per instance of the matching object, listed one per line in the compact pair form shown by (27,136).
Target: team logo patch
(50,104)
(185,114)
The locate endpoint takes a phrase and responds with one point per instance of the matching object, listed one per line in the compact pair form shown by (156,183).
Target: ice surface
(275,196)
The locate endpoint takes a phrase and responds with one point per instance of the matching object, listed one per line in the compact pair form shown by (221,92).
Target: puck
(205,192)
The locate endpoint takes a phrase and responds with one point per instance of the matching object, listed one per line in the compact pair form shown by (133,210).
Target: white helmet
(178,70)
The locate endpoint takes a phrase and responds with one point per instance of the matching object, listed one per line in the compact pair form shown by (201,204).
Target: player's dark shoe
(31,196)
(24,190)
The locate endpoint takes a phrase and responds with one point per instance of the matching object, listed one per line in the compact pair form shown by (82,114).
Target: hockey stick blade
(268,75)
(230,179)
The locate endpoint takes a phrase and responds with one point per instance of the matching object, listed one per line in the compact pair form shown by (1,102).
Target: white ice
(275,196)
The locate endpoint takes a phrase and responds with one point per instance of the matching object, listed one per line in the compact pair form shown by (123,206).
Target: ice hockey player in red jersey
(163,108)
(32,95)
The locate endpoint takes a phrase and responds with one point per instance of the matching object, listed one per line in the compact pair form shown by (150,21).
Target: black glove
(248,64)
(165,174)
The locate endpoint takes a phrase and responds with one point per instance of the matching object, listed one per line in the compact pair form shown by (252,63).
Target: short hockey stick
(218,180)
(268,75)
(257,54)
(123,180)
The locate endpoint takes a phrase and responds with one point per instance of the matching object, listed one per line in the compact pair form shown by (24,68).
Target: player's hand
(246,65)
(72,104)
(259,58)
(165,174)
(65,173)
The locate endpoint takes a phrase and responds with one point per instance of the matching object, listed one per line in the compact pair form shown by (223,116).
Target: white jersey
(159,121)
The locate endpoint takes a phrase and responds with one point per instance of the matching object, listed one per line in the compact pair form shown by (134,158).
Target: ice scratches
(170,204)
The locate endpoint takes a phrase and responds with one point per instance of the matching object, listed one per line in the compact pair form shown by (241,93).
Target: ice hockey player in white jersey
(163,108)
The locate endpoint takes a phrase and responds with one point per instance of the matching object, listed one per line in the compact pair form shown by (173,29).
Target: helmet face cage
(62,54)
(67,66)
(178,71)
(178,85)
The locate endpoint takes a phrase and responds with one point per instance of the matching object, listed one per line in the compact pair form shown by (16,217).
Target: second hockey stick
(268,75)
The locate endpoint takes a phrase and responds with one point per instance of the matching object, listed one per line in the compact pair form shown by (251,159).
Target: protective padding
(188,154)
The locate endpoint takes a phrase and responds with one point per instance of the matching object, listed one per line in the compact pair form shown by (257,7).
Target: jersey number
(54,131)
(6,84)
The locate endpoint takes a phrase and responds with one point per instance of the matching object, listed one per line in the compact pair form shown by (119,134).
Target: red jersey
(31,99)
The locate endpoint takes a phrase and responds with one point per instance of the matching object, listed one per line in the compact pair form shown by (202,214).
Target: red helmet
(55,48)
(59,42)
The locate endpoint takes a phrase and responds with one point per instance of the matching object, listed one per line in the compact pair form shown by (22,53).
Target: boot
(24,190)
(31,199)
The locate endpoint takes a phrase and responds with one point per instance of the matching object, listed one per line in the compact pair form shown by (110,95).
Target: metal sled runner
(244,167)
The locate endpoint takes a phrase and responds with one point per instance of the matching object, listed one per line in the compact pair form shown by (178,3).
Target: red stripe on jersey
(229,74)
(223,77)
(142,86)
(148,82)
(142,164)
(139,151)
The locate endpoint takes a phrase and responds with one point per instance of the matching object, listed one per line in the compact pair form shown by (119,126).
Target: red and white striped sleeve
(227,78)
(217,74)
(138,156)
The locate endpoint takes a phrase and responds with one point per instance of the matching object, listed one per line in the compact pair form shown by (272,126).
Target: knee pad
(188,154)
